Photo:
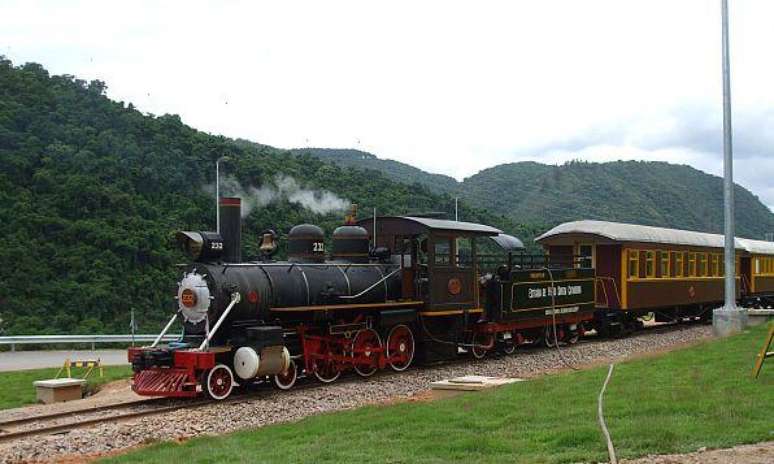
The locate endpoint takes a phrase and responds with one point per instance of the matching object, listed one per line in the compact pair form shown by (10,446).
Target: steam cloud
(282,188)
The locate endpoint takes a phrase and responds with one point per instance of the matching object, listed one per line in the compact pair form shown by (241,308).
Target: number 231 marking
(318,246)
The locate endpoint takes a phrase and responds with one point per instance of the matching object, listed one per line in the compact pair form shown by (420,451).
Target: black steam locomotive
(392,290)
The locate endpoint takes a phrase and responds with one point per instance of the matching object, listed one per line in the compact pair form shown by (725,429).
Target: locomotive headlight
(200,245)
(193,297)
(188,298)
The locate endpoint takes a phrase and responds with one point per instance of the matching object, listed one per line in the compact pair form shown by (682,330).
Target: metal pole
(456,209)
(729,319)
(728,171)
(131,324)
(374,228)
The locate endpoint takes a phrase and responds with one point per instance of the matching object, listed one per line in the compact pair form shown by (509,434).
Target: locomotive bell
(306,244)
(268,243)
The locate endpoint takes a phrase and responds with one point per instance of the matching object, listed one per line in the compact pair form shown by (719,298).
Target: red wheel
(325,368)
(286,380)
(481,344)
(365,352)
(400,348)
(219,382)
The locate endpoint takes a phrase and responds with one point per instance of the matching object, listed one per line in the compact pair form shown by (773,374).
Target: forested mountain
(394,170)
(651,193)
(92,191)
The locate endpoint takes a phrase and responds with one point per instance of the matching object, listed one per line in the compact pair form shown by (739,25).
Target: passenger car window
(679,264)
(634,264)
(650,265)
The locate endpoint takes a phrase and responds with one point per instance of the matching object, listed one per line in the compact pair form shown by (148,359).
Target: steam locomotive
(392,291)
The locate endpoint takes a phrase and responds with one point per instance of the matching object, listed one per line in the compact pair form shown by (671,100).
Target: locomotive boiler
(246,315)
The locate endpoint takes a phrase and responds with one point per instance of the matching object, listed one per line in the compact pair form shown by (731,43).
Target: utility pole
(217,191)
(729,319)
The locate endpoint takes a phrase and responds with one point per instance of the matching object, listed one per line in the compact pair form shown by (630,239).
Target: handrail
(602,279)
(164,332)
(383,279)
(235,297)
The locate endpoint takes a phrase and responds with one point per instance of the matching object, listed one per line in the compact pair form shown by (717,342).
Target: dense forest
(651,193)
(92,191)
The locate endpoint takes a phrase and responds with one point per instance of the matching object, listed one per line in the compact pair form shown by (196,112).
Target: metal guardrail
(14,340)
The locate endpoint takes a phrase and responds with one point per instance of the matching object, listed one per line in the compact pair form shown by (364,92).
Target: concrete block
(469,383)
(58,390)
(759,316)
(727,322)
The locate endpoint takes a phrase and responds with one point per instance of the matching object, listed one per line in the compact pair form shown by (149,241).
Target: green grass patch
(16,386)
(677,402)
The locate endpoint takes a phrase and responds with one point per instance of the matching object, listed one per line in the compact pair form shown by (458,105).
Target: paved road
(14,361)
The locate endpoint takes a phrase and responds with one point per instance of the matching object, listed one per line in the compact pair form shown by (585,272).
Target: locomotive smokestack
(231,229)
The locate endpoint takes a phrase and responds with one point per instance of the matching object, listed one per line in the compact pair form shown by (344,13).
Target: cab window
(442,251)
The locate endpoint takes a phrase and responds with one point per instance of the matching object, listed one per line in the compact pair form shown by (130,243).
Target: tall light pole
(729,319)
(217,191)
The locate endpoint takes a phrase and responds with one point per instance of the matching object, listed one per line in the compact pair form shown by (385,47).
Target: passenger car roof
(622,232)
(508,242)
(757,247)
(410,223)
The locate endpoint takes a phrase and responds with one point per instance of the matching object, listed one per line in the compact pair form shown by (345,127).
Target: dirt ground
(760,453)
(115,392)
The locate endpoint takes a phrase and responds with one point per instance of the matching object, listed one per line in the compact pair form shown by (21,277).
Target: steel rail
(90,410)
(67,426)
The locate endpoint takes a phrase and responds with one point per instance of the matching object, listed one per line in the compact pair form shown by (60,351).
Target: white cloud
(448,86)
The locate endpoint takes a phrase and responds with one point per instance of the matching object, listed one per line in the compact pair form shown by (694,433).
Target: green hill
(394,170)
(651,193)
(92,190)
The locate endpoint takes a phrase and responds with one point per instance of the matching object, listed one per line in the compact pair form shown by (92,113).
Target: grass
(16,386)
(677,402)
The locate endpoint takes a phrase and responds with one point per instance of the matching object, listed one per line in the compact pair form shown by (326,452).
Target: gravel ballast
(268,407)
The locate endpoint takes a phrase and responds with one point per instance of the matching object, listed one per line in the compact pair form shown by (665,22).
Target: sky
(449,87)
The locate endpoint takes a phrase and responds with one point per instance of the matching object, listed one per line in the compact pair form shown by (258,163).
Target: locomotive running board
(391,304)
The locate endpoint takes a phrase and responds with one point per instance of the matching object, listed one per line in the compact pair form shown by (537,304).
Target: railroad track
(66,421)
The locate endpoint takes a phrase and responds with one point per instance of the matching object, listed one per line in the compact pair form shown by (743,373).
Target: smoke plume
(280,188)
